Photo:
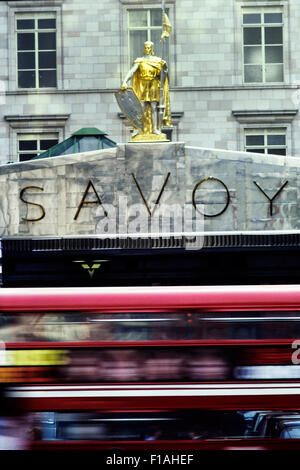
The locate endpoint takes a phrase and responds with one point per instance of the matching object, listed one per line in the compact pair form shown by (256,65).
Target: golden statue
(147,72)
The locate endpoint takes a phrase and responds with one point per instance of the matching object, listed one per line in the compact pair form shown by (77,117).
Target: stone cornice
(255,116)
(34,3)
(172,88)
(31,120)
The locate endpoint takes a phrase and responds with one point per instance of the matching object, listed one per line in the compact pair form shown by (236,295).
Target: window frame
(265,132)
(34,124)
(279,6)
(36,136)
(269,119)
(28,10)
(35,31)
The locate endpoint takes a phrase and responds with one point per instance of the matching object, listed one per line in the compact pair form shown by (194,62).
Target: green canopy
(83,140)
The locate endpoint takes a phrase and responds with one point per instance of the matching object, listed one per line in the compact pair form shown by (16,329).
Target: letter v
(142,195)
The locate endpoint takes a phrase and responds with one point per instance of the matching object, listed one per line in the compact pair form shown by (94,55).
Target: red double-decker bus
(153,367)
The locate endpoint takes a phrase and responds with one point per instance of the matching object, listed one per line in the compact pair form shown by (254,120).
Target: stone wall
(51,197)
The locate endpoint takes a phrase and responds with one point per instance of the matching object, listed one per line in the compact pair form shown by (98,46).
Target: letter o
(196,188)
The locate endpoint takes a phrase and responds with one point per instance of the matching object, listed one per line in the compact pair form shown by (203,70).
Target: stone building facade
(234,69)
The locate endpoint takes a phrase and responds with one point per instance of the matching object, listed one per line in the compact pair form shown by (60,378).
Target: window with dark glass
(32,145)
(263,47)
(270,141)
(36,51)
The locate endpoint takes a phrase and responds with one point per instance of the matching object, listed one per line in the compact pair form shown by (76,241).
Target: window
(36,50)
(144,25)
(263,46)
(270,141)
(31,145)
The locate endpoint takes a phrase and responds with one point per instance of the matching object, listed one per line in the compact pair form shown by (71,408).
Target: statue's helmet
(149,46)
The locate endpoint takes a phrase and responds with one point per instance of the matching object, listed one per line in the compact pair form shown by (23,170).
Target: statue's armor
(146,83)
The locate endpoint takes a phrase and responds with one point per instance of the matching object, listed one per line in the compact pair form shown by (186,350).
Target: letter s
(33,204)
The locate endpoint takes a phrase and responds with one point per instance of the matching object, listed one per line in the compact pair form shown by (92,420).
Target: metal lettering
(83,202)
(210,178)
(274,197)
(32,203)
(142,196)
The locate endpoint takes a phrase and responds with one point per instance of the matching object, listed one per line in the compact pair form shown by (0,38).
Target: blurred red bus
(226,352)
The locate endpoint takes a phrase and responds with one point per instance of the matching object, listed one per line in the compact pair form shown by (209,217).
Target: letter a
(83,202)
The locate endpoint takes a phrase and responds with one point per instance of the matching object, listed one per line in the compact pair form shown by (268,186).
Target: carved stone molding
(267,116)
(39,121)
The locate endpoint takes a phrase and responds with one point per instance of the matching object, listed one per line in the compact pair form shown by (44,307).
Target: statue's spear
(166,30)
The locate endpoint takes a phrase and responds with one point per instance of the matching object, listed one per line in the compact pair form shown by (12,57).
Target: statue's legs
(148,121)
(154,117)
(149,109)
